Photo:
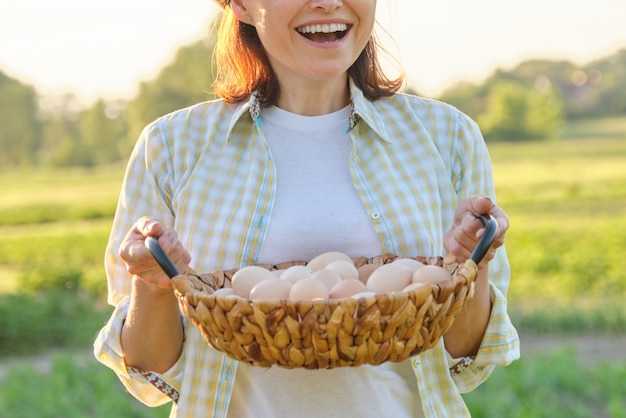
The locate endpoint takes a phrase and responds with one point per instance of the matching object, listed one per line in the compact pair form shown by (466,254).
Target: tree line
(530,101)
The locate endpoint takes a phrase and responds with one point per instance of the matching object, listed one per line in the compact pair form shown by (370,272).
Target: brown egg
(365,271)
(247,277)
(275,288)
(389,278)
(430,274)
(308,289)
(322,260)
(346,288)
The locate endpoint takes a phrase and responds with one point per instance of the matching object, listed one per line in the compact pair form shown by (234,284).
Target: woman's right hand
(138,259)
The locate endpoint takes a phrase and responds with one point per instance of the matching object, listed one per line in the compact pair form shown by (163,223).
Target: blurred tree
(597,89)
(186,81)
(101,133)
(19,124)
(60,138)
(605,80)
(469,98)
(515,112)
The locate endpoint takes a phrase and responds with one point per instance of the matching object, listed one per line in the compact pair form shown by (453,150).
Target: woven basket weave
(325,334)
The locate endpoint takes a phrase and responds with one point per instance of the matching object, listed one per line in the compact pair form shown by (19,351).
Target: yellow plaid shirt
(207,172)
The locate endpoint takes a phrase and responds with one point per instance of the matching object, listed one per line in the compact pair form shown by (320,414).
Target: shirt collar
(362,109)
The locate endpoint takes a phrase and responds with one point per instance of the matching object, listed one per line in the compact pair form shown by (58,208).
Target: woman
(311,149)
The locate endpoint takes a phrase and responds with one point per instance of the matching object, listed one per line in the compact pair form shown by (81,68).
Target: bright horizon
(96,50)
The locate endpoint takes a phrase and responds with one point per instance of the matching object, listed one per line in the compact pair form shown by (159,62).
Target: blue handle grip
(161,258)
(491,228)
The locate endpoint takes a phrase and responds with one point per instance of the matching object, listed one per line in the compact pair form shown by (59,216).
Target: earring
(248,20)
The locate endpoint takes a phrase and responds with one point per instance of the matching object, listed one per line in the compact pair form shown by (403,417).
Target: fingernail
(150,226)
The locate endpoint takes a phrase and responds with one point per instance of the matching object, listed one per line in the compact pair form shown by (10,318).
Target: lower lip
(332,44)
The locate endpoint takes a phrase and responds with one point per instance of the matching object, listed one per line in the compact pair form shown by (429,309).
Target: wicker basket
(324,334)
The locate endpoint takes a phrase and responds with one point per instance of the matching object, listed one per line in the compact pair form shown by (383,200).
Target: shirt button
(375,215)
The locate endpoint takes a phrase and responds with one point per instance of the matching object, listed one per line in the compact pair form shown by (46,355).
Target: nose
(326,5)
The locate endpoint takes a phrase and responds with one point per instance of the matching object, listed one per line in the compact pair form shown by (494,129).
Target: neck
(314,98)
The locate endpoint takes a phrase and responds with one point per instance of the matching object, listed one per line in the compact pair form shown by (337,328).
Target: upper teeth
(333,27)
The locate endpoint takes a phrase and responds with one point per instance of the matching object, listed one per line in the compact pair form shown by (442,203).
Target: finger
(149,227)
(472,226)
(481,204)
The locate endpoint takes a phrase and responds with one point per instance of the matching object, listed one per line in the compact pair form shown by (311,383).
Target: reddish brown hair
(243,67)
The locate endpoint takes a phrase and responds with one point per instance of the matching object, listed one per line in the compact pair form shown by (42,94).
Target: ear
(239,10)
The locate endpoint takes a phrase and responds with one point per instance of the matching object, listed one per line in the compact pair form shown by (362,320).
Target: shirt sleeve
(108,351)
(499,347)
(472,174)
(144,192)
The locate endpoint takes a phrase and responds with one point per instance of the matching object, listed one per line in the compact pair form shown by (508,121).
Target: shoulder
(193,126)
(203,113)
(429,112)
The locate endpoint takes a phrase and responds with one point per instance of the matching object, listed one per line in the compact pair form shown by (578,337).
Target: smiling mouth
(324,33)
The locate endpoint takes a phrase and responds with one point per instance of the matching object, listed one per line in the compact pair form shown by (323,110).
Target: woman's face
(312,39)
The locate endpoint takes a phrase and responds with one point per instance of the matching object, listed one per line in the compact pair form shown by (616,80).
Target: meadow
(567,204)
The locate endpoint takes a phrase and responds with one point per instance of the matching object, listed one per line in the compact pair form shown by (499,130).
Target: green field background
(567,246)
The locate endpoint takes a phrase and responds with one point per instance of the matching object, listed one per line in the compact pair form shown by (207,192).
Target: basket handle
(161,258)
(491,228)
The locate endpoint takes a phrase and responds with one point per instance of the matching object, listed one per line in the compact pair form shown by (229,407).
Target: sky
(105,49)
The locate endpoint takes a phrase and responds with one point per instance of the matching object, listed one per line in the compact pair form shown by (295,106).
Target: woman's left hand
(468,227)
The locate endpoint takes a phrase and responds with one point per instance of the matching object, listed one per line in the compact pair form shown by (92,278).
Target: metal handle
(161,258)
(491,228)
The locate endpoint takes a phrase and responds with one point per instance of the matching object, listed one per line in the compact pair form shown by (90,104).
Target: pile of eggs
(331,275)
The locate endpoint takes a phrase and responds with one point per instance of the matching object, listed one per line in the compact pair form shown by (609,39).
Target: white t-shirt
(317,209)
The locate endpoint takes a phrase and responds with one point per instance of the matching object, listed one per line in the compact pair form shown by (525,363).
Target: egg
(414,286)
(346,288)
(430,274)
(345,269)
(295,273)
(224,291)
(410,263)
(247,277)
(322,260)
(389,278)
(308,289)
(329,277)
(363,295)
(365,271)
(275,288)
(278,272)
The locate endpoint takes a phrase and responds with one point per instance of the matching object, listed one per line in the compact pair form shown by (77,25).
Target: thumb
(480,204)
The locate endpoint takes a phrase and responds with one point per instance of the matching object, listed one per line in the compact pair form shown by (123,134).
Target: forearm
(468,329)
(152,336)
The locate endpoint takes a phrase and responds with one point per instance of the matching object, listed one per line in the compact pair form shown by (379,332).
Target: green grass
(41,252)
(60,319)
(551,385)
(609,128)
(73,388)
(44,195)
(566,201)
